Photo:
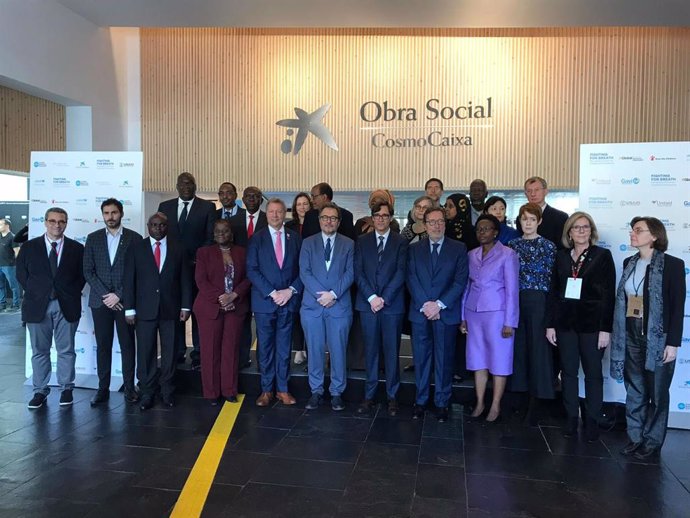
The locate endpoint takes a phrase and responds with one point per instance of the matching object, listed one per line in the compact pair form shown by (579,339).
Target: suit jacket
(157,295)
(293,224)
(445,283)
(311,224)
(594,311)
(239,226)
(551,227)
(494,283)
(385,278)
(338,278)
(266,276)
(219,212)
(198,228)
(210,279)
(33,273)
(99,273)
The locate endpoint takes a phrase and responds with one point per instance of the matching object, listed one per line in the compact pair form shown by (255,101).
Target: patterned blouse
(537,257)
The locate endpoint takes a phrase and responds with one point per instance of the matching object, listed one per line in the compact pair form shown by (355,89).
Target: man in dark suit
(552,220)
(437,271)
(380,262)
(158,295)
(227,195)
(190,221)
(327,271)
(104,265)
(273,269)
(321,194)
(49,268)
(244,225)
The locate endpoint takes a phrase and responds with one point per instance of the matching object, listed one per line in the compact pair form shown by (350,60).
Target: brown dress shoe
(264,399)
(285,398)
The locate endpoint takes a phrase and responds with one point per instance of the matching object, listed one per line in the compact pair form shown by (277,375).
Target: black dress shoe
(168,401)
(131,396)
(101,396)
(231,399)
(417,412)
(66,398)
(409,368)
(646,453)
(146,403)
(366,408)
(442,415)
(631,448)
(196,364)
(570,427)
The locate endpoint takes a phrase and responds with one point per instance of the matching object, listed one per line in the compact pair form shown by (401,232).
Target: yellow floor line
(194,493)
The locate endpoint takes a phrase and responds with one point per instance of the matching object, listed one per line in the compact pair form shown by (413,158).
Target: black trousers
(647,399)
(103,320)
(576,348)
(148,372)
(181,331)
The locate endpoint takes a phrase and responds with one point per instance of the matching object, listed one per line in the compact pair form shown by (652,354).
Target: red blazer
(210,279)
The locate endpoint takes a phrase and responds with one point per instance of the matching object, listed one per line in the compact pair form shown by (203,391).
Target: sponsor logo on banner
(126,203)
(81,183)
(306,123)
(59,202)
(124,165)
(35,200)
(125,185)
(80,350)
(104,163)
(82,220)
(630,203)
(59,164)
(40,164)
(632,158)
(601,181)
(604,244)
(81,202)
(626,248)
(683,406)
(600,158)
(686,203)
(662,180)
(599,202)
(662,204)
(630,181)
(38,182)
(655,158)
(37,219)
(82,165)
(670,225)
(61,182)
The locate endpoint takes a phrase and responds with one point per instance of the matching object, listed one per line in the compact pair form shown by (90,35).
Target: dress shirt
(438,250)
(328,263)
(113,243)
(225,213)
(246,219)
(180,207)
(284,243)
(385,240)
(49,247)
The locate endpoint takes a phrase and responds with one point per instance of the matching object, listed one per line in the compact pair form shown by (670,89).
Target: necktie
(52,259)
(157,255)
(327,251)
(279,249)
(183,216)
(226,214)
(379,249)
(434,255)
(250,228)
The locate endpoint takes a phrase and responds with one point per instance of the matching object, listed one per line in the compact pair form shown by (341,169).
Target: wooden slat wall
(211,97)
(28,123)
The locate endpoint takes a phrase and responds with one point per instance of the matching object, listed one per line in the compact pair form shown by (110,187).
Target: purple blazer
(493,284)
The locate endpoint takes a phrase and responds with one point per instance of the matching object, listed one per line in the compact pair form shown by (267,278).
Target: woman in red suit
(220,308)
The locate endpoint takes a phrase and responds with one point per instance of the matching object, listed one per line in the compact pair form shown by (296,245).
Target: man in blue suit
(380,262)
(273,269)
(437,271)
(327,271)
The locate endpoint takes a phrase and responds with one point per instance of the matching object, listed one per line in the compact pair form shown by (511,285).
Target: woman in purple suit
(490,313)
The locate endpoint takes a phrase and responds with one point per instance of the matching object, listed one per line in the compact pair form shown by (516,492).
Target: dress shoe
(417,412)
(285,398)
(366,407)
(570,427)
(392,407)
(101,396)
(246,365)
(264,399)
(196,364)
(214,402)
(168,401)
(66,398)
(409,368)
(337,403)
(646,453)
(131,396)
(457,378)
(442,414)
(231,399)
(37,401)
(146,403)
(630,448)
(300,357)
(314,402)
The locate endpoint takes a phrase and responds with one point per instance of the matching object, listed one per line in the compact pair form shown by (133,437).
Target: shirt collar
(384,236)
(48,240)
(162,241)
(118,233)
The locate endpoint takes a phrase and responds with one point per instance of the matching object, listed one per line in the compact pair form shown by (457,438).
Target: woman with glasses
(579,318)
(414,230)
(490,314)
(647,331)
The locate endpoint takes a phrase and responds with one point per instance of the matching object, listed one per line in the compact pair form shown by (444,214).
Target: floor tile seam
(584,456)
(273,456)
(275,484)
(509,477)
(543,435)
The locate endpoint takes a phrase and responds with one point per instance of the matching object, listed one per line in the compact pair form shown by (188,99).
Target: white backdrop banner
(79,182)
(620,181)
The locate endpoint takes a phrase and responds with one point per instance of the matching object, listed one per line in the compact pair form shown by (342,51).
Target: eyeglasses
(422,207)
(435,222)
(332,219)
(485,230)
(56,221)
(580,228)
(639,230)
(381,217)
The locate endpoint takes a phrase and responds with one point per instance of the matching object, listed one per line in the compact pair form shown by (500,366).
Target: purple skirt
(486,348)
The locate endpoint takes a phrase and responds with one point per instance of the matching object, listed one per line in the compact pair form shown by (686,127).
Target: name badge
(635,307)
(573,288)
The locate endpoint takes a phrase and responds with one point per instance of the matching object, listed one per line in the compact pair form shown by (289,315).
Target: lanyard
(637,288)
(575,268)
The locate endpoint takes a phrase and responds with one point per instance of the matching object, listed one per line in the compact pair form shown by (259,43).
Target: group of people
(452,274)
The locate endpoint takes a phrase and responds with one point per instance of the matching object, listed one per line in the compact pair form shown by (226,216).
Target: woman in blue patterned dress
(533,355)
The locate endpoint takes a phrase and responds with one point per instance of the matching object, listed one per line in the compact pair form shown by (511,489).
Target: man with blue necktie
(437,271)
(227,196)
(327,271)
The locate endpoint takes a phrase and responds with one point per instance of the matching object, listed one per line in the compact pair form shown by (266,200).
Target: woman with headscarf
(459,220)
(365,225)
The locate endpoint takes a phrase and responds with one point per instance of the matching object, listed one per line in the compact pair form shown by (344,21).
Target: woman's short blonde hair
(593,236)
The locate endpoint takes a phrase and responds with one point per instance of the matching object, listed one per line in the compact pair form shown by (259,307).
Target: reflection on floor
(279,461)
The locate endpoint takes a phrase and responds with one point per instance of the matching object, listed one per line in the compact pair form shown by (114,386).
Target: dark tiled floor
(116,461)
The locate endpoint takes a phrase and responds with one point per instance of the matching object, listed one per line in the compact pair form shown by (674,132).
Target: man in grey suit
(327,271)
(104,264)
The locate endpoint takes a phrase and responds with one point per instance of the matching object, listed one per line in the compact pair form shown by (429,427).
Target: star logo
(306,123)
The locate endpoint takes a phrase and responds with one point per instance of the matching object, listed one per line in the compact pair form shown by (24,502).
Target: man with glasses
(437,270)
(380,261)
(49,268)
(227,196)
(552,220)
(327,272)
(321,194)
